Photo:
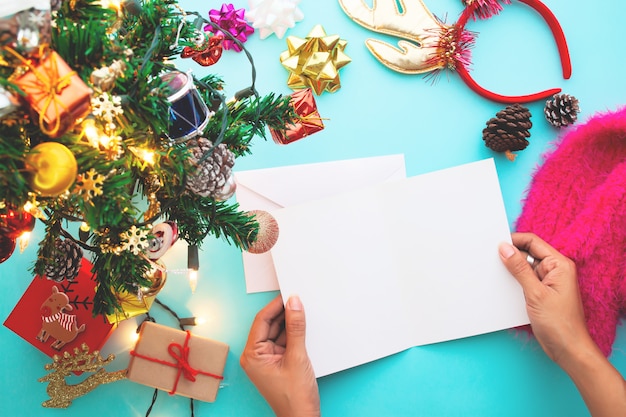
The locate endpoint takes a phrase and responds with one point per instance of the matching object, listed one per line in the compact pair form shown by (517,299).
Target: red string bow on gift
(180,354)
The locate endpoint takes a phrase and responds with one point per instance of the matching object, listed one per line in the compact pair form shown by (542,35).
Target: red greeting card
(57,316)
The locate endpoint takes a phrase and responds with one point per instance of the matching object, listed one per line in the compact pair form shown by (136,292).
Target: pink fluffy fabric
(577,202)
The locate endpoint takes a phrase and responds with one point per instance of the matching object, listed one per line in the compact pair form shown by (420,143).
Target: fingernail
(506,250)
(294,303)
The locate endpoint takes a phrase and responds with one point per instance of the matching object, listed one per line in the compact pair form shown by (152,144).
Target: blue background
(376,112)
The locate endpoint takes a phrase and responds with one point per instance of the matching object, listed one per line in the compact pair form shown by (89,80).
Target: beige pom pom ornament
(268,232)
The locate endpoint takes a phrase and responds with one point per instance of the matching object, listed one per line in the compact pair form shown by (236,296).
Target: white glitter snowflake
(37,19)
(135,240)
(106,106)
(113,149)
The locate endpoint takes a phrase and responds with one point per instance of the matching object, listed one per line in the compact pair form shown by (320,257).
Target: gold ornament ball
(53,168)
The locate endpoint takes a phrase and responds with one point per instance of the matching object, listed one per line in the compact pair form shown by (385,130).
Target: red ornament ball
(268,232)
(13,223)
(7,246)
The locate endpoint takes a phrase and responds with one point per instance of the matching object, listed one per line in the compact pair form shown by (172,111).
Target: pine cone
(211,174)
(67,261)
(508,131)
(562,110)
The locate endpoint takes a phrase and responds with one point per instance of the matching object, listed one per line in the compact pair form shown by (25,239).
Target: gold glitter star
(314,62)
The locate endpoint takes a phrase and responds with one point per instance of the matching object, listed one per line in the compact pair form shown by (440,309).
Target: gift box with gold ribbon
(178,362)
(54,91)
(307,122)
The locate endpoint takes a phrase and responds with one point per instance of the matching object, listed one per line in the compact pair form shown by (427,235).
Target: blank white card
(400,264)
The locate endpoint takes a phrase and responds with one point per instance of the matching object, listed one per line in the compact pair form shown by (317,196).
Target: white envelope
(271,189)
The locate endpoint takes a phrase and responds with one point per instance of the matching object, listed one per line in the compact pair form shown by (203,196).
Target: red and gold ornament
(206,51)
(7,246)
(14,223)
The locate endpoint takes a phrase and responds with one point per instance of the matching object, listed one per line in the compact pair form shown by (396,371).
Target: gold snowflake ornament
(89,184)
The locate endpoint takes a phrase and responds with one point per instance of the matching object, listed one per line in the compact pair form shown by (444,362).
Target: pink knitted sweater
(577,203)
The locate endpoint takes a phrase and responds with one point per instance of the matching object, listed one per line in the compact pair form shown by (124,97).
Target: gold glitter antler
(61,394)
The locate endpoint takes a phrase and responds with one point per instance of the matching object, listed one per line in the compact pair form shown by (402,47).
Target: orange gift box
(177,362)
(56,93)
(308,122)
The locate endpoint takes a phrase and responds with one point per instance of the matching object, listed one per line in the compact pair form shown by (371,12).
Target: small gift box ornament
(177,362)
(55,92)
(307,122)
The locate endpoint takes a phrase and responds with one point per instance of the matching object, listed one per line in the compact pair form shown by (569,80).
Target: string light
(146,155)
(91,132)
(83,231)
(133,337)
(29,206)
(111,4)
(193,280)
(24,239)
(193,264)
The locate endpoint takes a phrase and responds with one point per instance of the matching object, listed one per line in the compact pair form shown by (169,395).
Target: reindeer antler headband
(430,45)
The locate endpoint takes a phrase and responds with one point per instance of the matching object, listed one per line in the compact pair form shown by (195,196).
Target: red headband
(433,45)
(485,9)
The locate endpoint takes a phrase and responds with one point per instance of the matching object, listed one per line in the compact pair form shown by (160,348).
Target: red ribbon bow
(181,356)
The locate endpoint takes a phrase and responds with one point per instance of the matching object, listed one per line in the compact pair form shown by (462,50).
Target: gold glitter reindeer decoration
(61,394)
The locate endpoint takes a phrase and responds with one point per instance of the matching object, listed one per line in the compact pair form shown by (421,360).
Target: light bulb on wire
(193,264)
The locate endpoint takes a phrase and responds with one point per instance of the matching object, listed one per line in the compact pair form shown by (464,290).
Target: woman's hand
(557,318)
(552,296)
(276,361)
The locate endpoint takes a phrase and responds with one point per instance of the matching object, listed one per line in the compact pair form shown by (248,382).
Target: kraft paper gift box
(178,362)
